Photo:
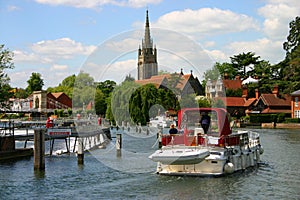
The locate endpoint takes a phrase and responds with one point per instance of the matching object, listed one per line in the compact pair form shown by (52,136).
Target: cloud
(57,67)
(45,52)
(61,48)
(95,4)
(265,48)
(278,14)
(206,21)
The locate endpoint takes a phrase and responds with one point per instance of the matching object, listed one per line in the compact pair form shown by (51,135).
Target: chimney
(225,76)
(275,90)
(245,92)
(256,93)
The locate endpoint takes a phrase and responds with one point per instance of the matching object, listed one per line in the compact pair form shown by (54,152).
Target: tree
(5,63)
(241,61)
(35,83)
(100,102)
(66,86)
(84,90)
(293,39)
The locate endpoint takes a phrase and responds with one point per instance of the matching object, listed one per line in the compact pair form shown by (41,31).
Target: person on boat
(172,129)
(205,122)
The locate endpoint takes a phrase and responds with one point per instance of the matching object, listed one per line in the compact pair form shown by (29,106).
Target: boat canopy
(188,116)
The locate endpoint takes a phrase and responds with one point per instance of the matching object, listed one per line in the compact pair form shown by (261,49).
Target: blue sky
(58,38)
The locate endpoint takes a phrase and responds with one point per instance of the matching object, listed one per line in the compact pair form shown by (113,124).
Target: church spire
(147,43)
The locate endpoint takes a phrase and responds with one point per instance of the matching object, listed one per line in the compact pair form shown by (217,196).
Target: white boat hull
(220,161)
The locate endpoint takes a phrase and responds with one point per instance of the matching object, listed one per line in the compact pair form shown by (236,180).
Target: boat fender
(228,168)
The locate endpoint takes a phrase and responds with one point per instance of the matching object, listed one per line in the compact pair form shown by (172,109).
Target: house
(218,88)
(295,108)
(185,83)
(272,103)
(42,101)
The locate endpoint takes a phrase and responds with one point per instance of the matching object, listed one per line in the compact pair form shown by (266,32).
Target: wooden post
(80,151)
(119,144)
(39,149)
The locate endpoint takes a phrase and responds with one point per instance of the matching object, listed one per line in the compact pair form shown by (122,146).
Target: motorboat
(179,156)
(217,152)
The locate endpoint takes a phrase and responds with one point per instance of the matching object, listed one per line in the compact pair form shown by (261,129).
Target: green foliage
(263,118)
(66,86)
(84,90)
(293,39)
(218,104)
(100,103)
(234,93)
(35,83)
(292,120)
(204,103)
(243,60)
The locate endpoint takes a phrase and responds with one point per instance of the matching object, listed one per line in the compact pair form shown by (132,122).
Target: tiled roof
(232,84)
(273,100)
(233,101)
(249,102)
(56,94)
(159,80)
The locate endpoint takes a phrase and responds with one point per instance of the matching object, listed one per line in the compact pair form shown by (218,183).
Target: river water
(106,176)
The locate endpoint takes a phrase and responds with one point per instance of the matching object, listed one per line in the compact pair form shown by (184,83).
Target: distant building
(218,87)
(42,101)
(185,83)
(147,56)
(272,103)
(295,104)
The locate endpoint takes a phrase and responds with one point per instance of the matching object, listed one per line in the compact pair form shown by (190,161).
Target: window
(297,114)
(296,102)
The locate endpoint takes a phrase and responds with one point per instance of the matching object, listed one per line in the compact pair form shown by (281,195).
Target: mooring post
(80,151)
(39,149)
(119,144)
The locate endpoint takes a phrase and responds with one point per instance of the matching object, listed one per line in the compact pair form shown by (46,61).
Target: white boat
(160,121)
(179,156)
(218,152)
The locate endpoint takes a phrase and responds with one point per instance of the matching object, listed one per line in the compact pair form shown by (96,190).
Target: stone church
(147,70)
(147,55)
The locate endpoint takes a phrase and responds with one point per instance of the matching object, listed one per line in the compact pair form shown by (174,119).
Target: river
(106,176)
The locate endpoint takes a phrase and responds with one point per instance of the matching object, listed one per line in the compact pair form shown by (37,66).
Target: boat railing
(242,139)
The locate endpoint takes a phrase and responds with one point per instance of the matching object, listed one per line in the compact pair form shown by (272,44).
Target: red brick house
(295,107)
(273,103)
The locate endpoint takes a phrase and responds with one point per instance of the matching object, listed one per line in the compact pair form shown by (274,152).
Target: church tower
(147,56)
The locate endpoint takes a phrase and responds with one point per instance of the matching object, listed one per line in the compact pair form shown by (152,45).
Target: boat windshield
(191,120)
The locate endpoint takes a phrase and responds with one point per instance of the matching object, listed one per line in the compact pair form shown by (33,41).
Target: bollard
(119,144)
(80,152)
(39,149)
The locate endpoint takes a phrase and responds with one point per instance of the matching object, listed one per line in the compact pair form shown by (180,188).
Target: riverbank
(268,125)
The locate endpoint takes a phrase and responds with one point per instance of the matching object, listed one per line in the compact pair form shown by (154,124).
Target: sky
(59,38)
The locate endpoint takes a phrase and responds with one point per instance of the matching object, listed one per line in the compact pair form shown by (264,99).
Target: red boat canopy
(193,114)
